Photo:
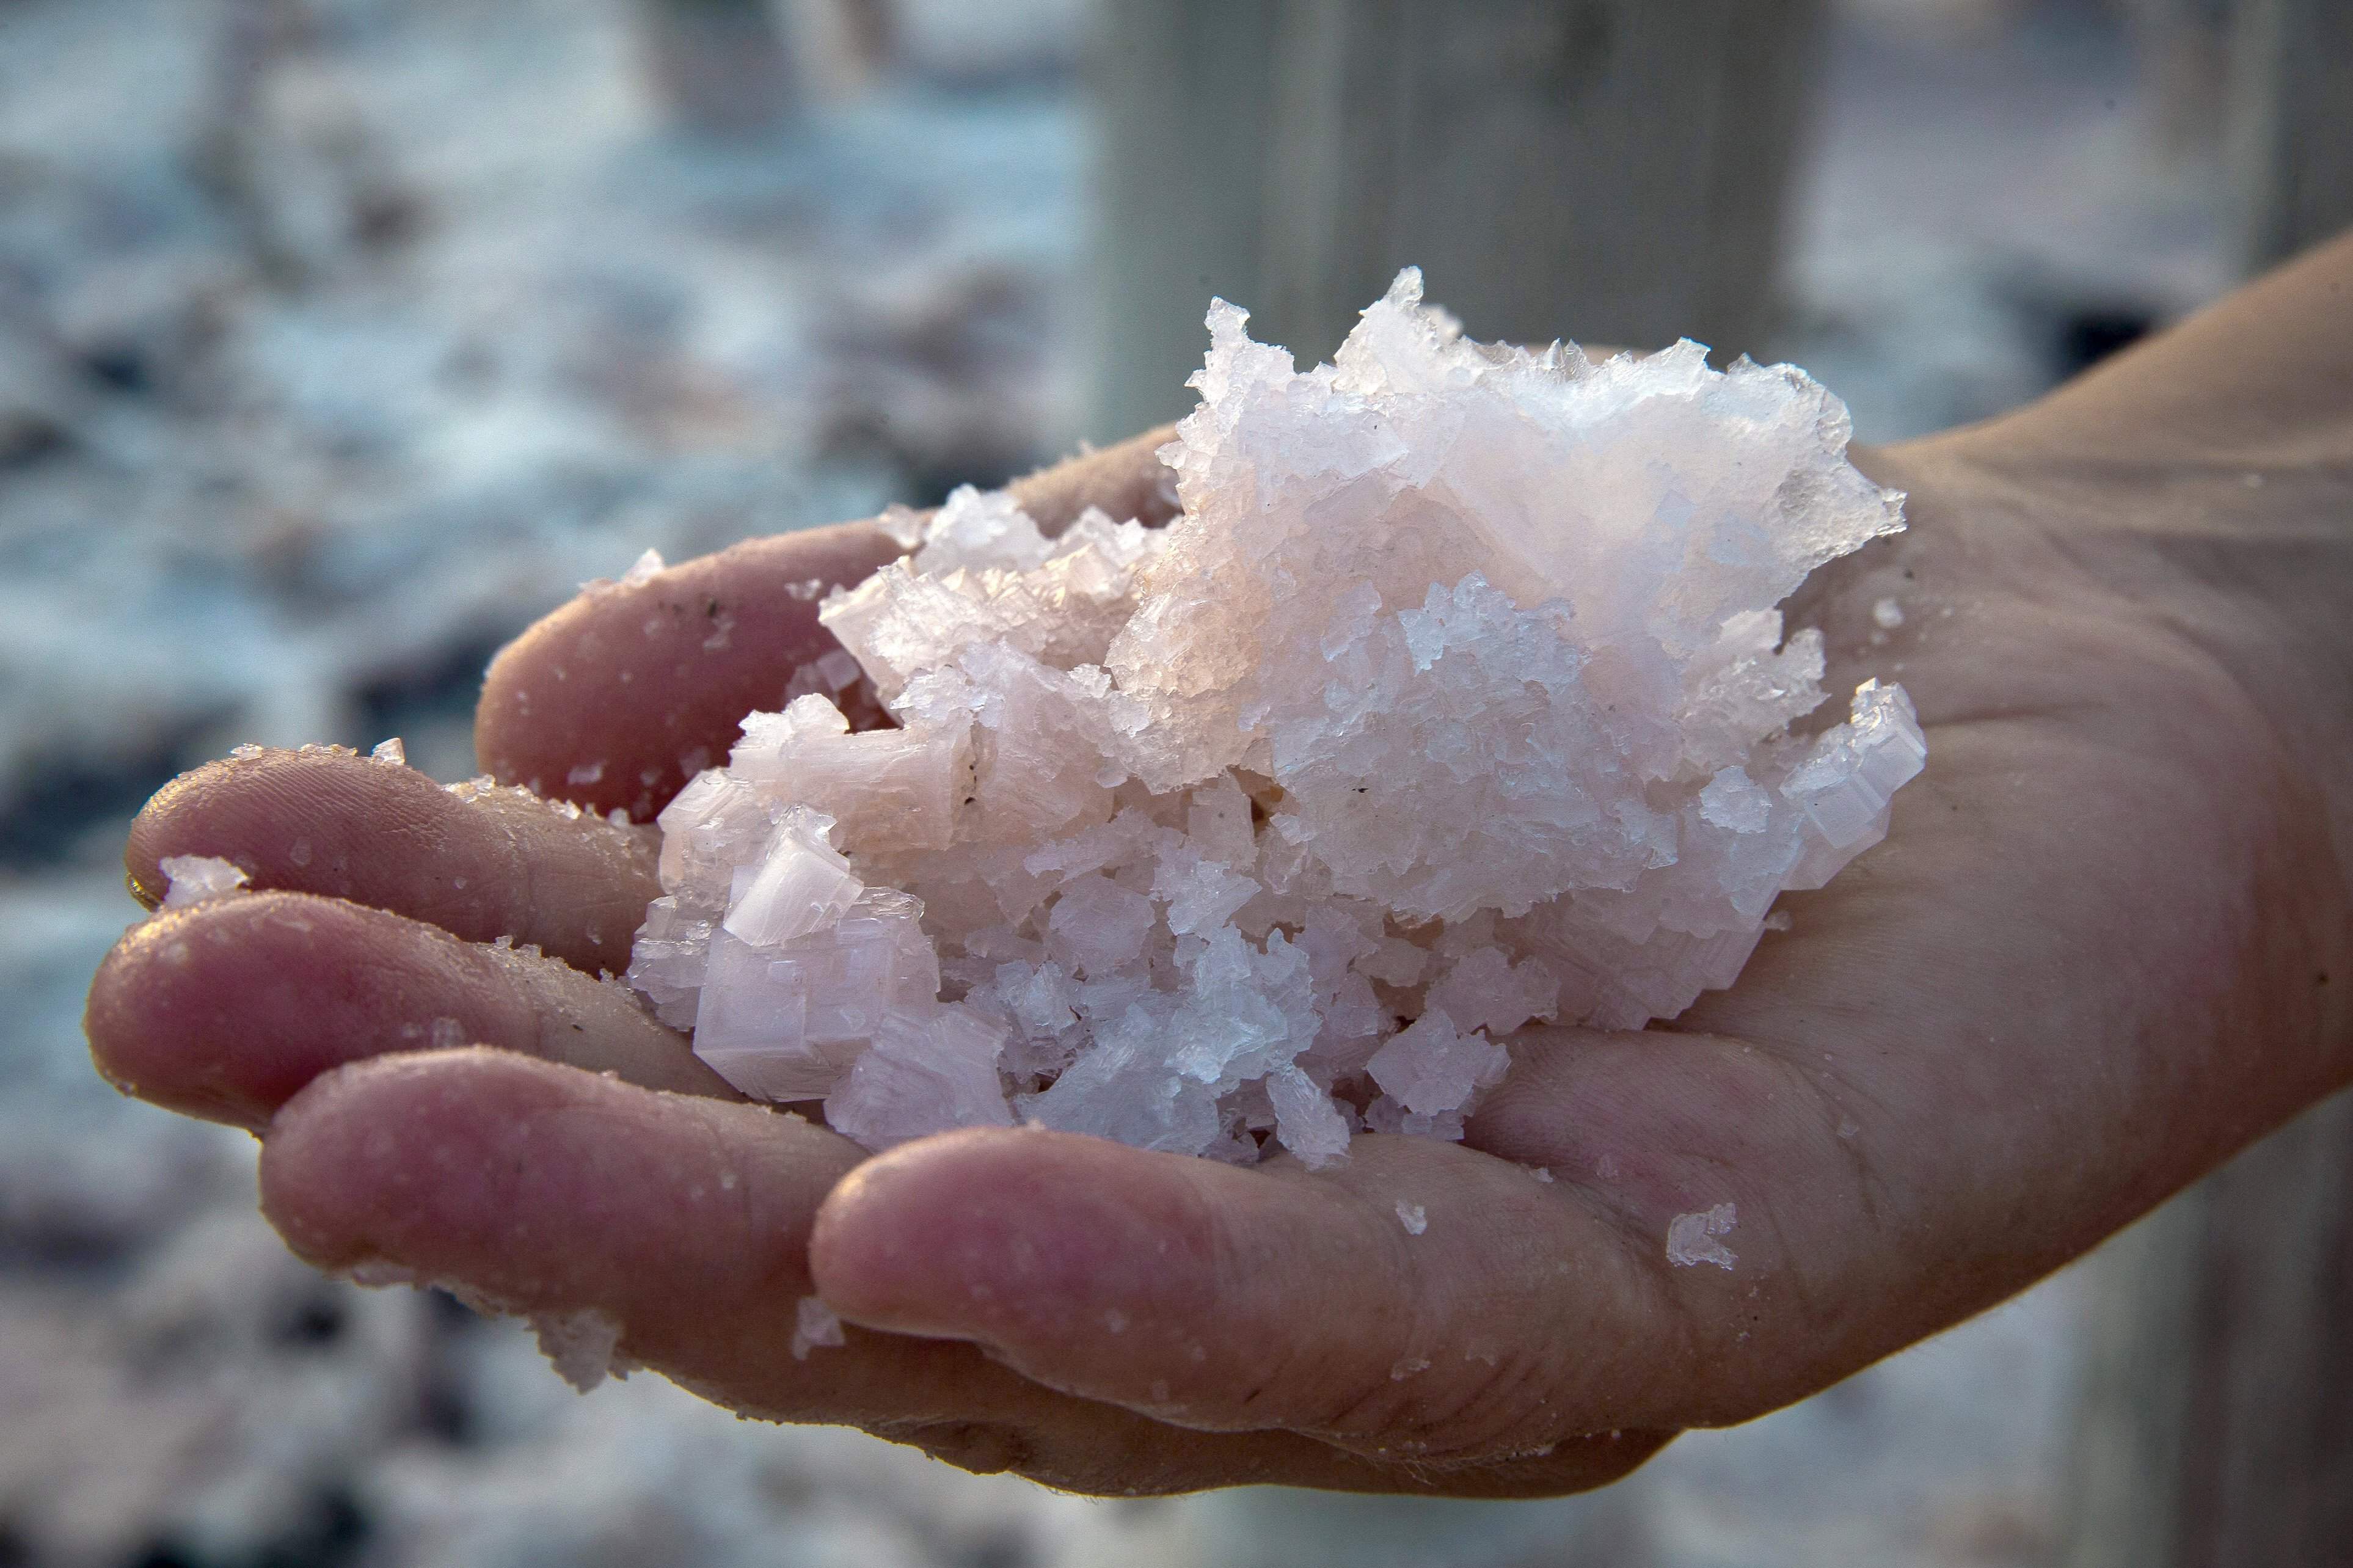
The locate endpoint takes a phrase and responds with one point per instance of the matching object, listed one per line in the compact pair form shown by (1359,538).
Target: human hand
(2081,970)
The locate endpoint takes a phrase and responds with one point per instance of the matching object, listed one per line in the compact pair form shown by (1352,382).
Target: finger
(685,1222)
(226,1009)
(1127,480)
(625,693)
(1231,1300)
(480,864)
(621,696)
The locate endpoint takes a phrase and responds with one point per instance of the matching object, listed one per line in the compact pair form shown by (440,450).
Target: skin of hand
(2107,943)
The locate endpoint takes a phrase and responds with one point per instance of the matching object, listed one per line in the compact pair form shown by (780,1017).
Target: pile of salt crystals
(1455,698)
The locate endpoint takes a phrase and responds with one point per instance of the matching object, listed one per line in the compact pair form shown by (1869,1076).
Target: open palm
(2088,962)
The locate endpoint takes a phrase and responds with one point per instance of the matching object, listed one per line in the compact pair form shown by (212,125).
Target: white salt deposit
(644,569)
(814,1326)
(1691,1237)
(1456,698)
(579,1345)
(190,878)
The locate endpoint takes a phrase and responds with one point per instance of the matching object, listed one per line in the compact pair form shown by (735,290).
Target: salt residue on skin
(579,1345)
(815,1325)
(1456,697)
(1691,1237)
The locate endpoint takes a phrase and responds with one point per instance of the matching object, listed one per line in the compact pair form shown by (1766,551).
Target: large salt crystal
(192,879)
(1457,697)
(1430,1069)
(800,885)
(928,1071)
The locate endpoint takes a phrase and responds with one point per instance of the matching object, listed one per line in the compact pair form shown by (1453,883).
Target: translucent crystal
(814,1326)
(800,885)
(192,879)
(930,1068)
(1692,1238)
(1430,1069)
(1457,697)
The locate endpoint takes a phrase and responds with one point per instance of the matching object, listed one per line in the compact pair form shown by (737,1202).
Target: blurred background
(339,338)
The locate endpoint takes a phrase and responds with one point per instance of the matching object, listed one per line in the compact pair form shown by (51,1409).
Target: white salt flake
(814,1326)
(390,752)
(643,570)
(928,1071)
(579,1345)
(1691,1237)
(1887,614)
(1732,799)
(192,879)
(1430,1069)
(1413,1216)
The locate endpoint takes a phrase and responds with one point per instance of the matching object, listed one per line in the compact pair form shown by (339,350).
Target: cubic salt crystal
(929,1069)
(1732,799)
(1845,783)
(750,1025)
(829,675)
(887,790)
(709,828)
(667,966)
(802,885)
(785,1020)
(1097,925)
(192,879)
(1458,696)
(1430,1069)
